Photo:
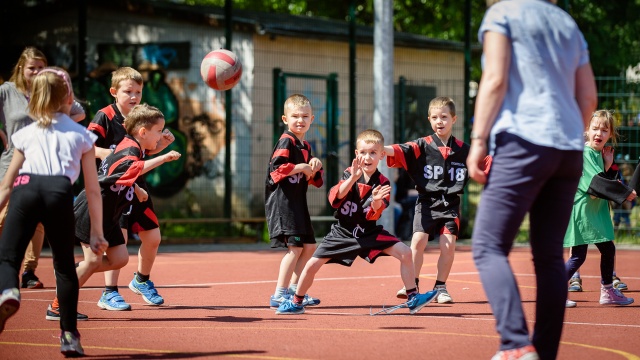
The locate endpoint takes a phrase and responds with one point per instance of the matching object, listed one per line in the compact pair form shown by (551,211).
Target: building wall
(441,69)
(196,188)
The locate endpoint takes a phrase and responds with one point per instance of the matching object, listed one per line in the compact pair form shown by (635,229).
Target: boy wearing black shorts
(359,199)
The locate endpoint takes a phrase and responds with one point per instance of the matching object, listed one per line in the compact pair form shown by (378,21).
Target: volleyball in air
(221,69)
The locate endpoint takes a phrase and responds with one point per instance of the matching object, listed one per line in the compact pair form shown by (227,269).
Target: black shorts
(113,236)
(436,223)
(284,241)
(341,247)
(140,216)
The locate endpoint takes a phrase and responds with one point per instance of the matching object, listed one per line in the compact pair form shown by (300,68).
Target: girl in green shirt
(591,217)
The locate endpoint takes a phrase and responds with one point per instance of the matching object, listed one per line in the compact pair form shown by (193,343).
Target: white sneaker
(570,304)
(9,304)
(443,295)
(402,293)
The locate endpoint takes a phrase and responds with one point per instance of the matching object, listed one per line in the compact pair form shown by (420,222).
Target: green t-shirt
(590,217)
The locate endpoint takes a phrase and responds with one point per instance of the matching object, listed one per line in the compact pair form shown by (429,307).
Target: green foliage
(610,27)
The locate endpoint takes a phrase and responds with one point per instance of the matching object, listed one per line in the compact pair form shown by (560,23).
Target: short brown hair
(125,73)
(442,101)
(142,116)
(296,100)
(371,136)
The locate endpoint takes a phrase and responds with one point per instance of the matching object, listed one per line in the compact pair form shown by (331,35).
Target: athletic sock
(54,303)
(297,299)
(412,292)
(110,289)
(438,282)
(142,278)
(280,291)
(293,288)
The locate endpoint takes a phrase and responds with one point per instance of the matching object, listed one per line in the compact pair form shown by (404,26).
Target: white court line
(314,311)
(345,278)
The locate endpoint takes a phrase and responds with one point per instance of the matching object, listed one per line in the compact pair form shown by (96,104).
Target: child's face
(30,69)
(298,119)
(371,153)
(150,137)
(598,133)
(127,95)
(441,121)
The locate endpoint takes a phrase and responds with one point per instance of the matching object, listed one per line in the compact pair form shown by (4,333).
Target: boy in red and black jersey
(140,217)
(437,165)
(291,169)
(359,199)
(117,177)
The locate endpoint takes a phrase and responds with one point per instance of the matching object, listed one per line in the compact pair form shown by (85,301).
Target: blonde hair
(371,136)
(17,76)
(609,122)
(142,116)
(50,90)
(297,100)
(441,102)
(125,73)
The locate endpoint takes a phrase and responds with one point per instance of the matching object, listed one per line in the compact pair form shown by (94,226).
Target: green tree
(610,27)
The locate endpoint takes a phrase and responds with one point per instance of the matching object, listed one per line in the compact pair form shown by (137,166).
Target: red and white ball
(221,69)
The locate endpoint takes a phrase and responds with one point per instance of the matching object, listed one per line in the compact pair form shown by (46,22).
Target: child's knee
(150,238)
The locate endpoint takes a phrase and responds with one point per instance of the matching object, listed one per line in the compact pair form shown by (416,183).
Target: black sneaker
(53,314)
(31,281)
(70,344)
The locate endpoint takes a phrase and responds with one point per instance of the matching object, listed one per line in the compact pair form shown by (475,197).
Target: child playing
(590,217)
(117,177)
(291,169)
(14,99)
(359,199)
(48,155)
(437,165)
(126,88)
(621,214)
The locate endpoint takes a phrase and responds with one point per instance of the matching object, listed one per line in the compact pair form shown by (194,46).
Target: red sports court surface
(217,306)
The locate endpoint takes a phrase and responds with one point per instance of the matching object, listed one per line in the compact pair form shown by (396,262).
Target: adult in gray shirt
(535,99)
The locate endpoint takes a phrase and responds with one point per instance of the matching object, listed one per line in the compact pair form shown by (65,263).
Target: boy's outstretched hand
(171,156)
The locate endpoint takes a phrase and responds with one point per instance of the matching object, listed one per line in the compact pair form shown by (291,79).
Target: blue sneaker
(276,301)
(418,301)
(147,290)
(113,301)
(310,301)
(288,307)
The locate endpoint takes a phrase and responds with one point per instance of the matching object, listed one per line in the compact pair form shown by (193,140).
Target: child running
(591,217)
(126,88)
(291,169)
(117,177)
(359,199)
(437,165)
(48,155)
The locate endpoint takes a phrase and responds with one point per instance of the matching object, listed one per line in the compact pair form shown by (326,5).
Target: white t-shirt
(55,150)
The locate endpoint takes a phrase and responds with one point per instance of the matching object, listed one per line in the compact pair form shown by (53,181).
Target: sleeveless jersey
(286,195)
